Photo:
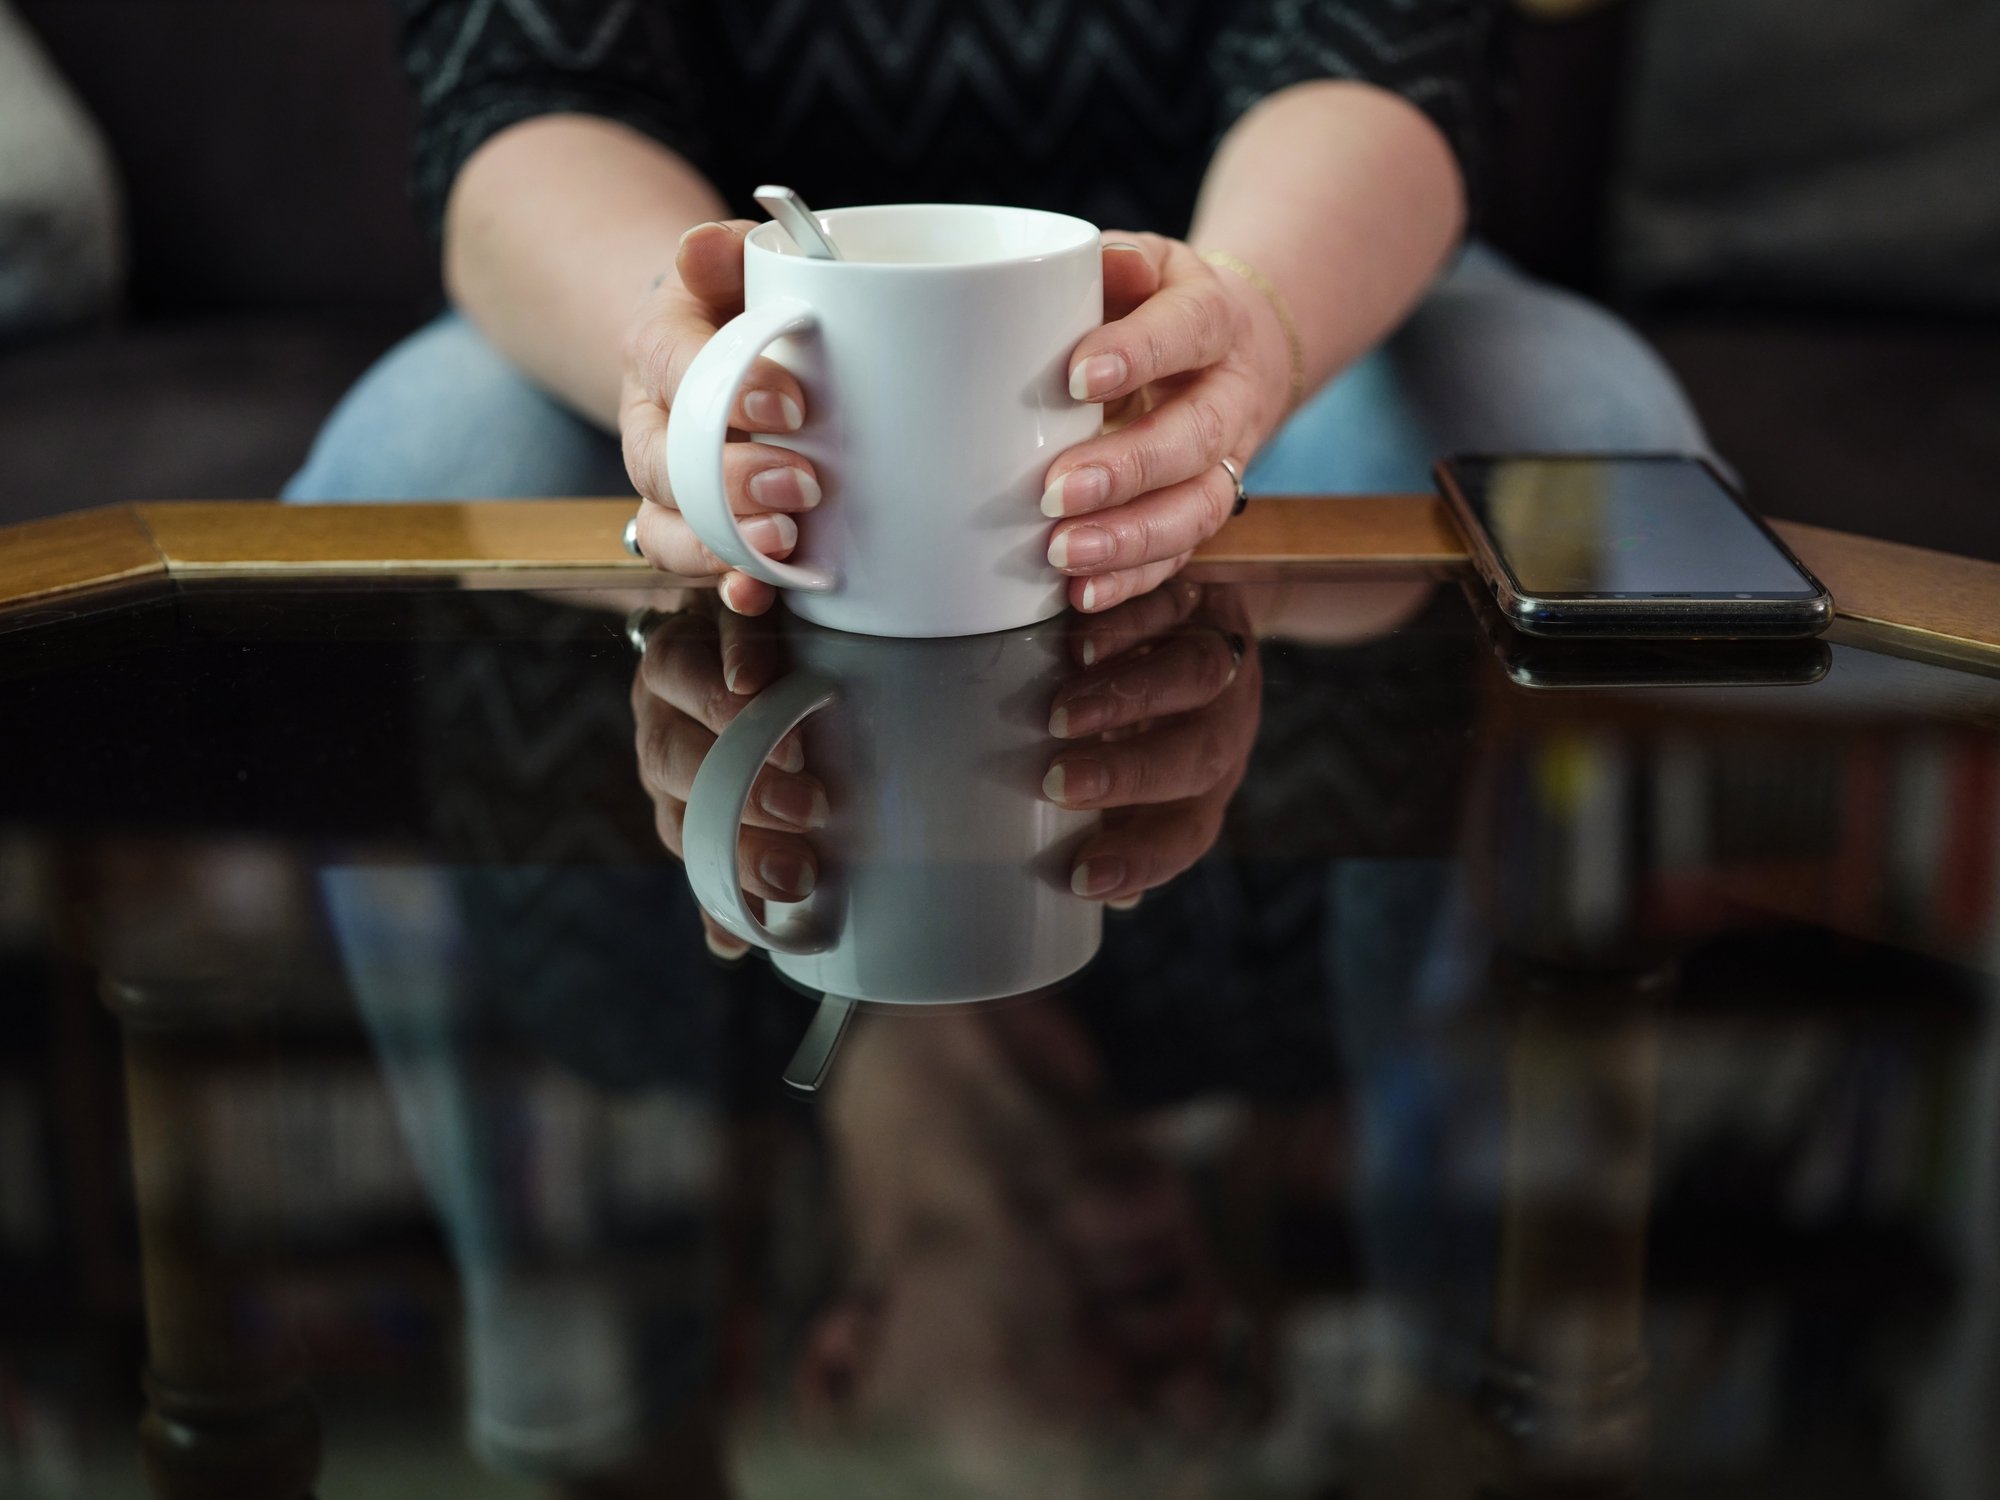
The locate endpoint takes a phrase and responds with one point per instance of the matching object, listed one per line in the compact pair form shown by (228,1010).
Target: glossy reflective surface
(1515,1078)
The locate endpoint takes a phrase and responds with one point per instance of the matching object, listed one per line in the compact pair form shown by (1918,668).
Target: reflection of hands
(1167,705)
(702,667)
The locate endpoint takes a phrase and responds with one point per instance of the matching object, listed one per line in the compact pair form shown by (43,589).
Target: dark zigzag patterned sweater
(1104,108)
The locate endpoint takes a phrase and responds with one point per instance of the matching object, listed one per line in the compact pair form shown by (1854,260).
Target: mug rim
(1089,237)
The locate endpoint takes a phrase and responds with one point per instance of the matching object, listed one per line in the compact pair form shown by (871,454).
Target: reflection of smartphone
(1541,662)
(1627,545)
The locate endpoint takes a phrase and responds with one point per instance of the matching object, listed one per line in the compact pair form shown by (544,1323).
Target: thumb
(709,263)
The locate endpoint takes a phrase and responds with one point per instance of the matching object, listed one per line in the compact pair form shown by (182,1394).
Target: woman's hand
(701,668)
(1206,360)
(1165,711)
(767,484)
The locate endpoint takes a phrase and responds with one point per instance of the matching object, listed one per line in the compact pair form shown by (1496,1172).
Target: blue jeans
(1492,361)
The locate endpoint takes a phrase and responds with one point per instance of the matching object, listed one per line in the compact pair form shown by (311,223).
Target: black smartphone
(1627,544)
(1545,663)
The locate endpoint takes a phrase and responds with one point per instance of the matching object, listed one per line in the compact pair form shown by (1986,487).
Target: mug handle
(720,793)
(698,425)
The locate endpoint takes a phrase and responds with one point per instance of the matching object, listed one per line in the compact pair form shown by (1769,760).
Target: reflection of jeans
(1492,361)
(587,1318)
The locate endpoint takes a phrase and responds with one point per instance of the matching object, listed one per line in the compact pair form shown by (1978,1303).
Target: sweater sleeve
(1435,53)
(482,65)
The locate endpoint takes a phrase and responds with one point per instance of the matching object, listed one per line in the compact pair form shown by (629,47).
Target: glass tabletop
(1286,1037)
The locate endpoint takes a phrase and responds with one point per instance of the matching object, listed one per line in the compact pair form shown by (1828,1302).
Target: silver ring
(1236,477)
(632,538)
(639,625)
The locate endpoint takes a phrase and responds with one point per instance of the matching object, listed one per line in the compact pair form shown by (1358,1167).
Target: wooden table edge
(1934,599)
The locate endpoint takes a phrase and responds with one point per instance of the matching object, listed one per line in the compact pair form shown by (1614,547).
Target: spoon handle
(814,1058)
(790,210)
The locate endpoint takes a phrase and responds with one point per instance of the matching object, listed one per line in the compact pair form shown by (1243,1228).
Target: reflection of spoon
(808,1067)
(800,222)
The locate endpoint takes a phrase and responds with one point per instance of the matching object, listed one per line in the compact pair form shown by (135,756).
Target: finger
(774,865)
(1184,439)
(745,595)
(1183,757)
(1108,589)
(660,347)
(1100,637)
(720,941)
(1183,673)
(687,671)
(755,475)
(669,543)
(1131,274)
(1139,849)
(1188,324)
(671,747)
(1156,526)
(749,656)
(709,263)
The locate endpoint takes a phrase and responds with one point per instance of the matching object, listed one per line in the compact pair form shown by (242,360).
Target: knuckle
(1213,669)
(1202,320)
(650,352)
(1211,758)
(1208,426)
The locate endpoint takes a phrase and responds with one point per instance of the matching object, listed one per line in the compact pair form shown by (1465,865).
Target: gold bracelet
(1235,264)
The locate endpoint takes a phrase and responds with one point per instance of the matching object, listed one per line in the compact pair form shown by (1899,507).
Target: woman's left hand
(1205,356)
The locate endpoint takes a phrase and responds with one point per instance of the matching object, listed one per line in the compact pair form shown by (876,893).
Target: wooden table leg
(226,1419)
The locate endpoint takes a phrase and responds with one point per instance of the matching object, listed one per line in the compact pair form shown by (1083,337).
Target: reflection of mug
(944,873)
(934,360)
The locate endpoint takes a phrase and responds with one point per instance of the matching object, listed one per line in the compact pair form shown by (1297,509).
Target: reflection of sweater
(1104,108)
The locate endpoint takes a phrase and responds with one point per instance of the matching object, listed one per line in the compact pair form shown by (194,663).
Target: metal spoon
(800,222)
(814,1058)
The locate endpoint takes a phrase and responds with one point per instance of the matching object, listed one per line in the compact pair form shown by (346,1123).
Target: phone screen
(1623,528)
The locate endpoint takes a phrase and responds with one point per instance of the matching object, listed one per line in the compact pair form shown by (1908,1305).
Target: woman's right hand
(766,483)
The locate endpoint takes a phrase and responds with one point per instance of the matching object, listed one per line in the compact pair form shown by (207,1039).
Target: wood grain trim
(1339,529)
(1930,599)
(202,537)
(89,549)
(1935,598)
(219,536)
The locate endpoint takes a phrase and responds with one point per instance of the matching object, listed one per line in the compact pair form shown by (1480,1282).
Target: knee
(443,416)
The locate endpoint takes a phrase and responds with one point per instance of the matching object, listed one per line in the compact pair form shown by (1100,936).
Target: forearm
(554,232)
(1348,199)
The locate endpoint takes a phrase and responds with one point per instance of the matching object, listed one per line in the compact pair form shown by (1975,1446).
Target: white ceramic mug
(934,360)
(944,874)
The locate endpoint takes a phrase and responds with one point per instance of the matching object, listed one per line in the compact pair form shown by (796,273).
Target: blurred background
(204,236)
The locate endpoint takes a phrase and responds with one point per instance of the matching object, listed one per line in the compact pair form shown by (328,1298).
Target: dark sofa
(262,146)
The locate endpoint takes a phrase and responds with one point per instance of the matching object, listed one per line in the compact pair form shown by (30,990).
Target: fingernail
(1080,489)
(795,803)
(1097,876)
(1079,717)
(789,756)
(1097,376)
(1077,779)
(1081,547)
(1089,645)
(1125,245)
(773,409)
(1090,594)
(1124,903)
(690,233)
(784,487)
(728,949)
(782,870)
(732,663)
(770,535)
